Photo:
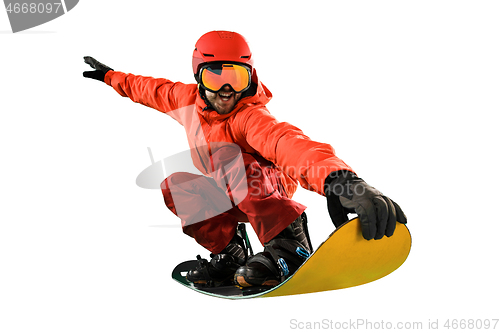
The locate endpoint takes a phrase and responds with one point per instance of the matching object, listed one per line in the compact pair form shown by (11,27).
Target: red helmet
(222,46)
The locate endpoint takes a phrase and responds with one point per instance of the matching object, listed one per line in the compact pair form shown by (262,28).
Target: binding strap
(286,253)
(203,268)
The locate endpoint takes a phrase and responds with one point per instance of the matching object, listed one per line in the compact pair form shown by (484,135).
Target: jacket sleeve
(307,161)
(160,94)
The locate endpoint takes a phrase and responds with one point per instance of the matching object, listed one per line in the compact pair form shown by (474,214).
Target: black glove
(346,193)
(100,69)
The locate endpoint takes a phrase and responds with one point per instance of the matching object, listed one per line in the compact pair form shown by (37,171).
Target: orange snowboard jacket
(249,125)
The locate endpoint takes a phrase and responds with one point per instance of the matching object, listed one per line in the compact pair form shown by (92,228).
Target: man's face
(223,101)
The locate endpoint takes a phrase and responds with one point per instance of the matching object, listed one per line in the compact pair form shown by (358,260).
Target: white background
(406,91)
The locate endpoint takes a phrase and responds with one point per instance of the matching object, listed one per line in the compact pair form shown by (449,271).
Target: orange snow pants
(210,208)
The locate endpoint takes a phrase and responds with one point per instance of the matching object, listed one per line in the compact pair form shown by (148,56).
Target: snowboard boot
(281,257)
(222,266)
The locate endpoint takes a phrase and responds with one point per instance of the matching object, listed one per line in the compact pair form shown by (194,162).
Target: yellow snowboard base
(344,260)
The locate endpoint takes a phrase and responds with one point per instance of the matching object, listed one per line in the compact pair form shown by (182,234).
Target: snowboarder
(251,160)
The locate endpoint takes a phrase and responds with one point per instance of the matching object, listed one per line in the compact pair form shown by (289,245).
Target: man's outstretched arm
(160,94)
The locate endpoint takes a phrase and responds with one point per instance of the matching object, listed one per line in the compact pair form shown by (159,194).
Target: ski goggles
(214,76)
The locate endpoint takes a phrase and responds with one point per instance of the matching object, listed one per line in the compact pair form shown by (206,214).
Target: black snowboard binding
(281,257)
(219,271)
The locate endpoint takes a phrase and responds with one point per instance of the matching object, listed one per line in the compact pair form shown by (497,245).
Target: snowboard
(344,260)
